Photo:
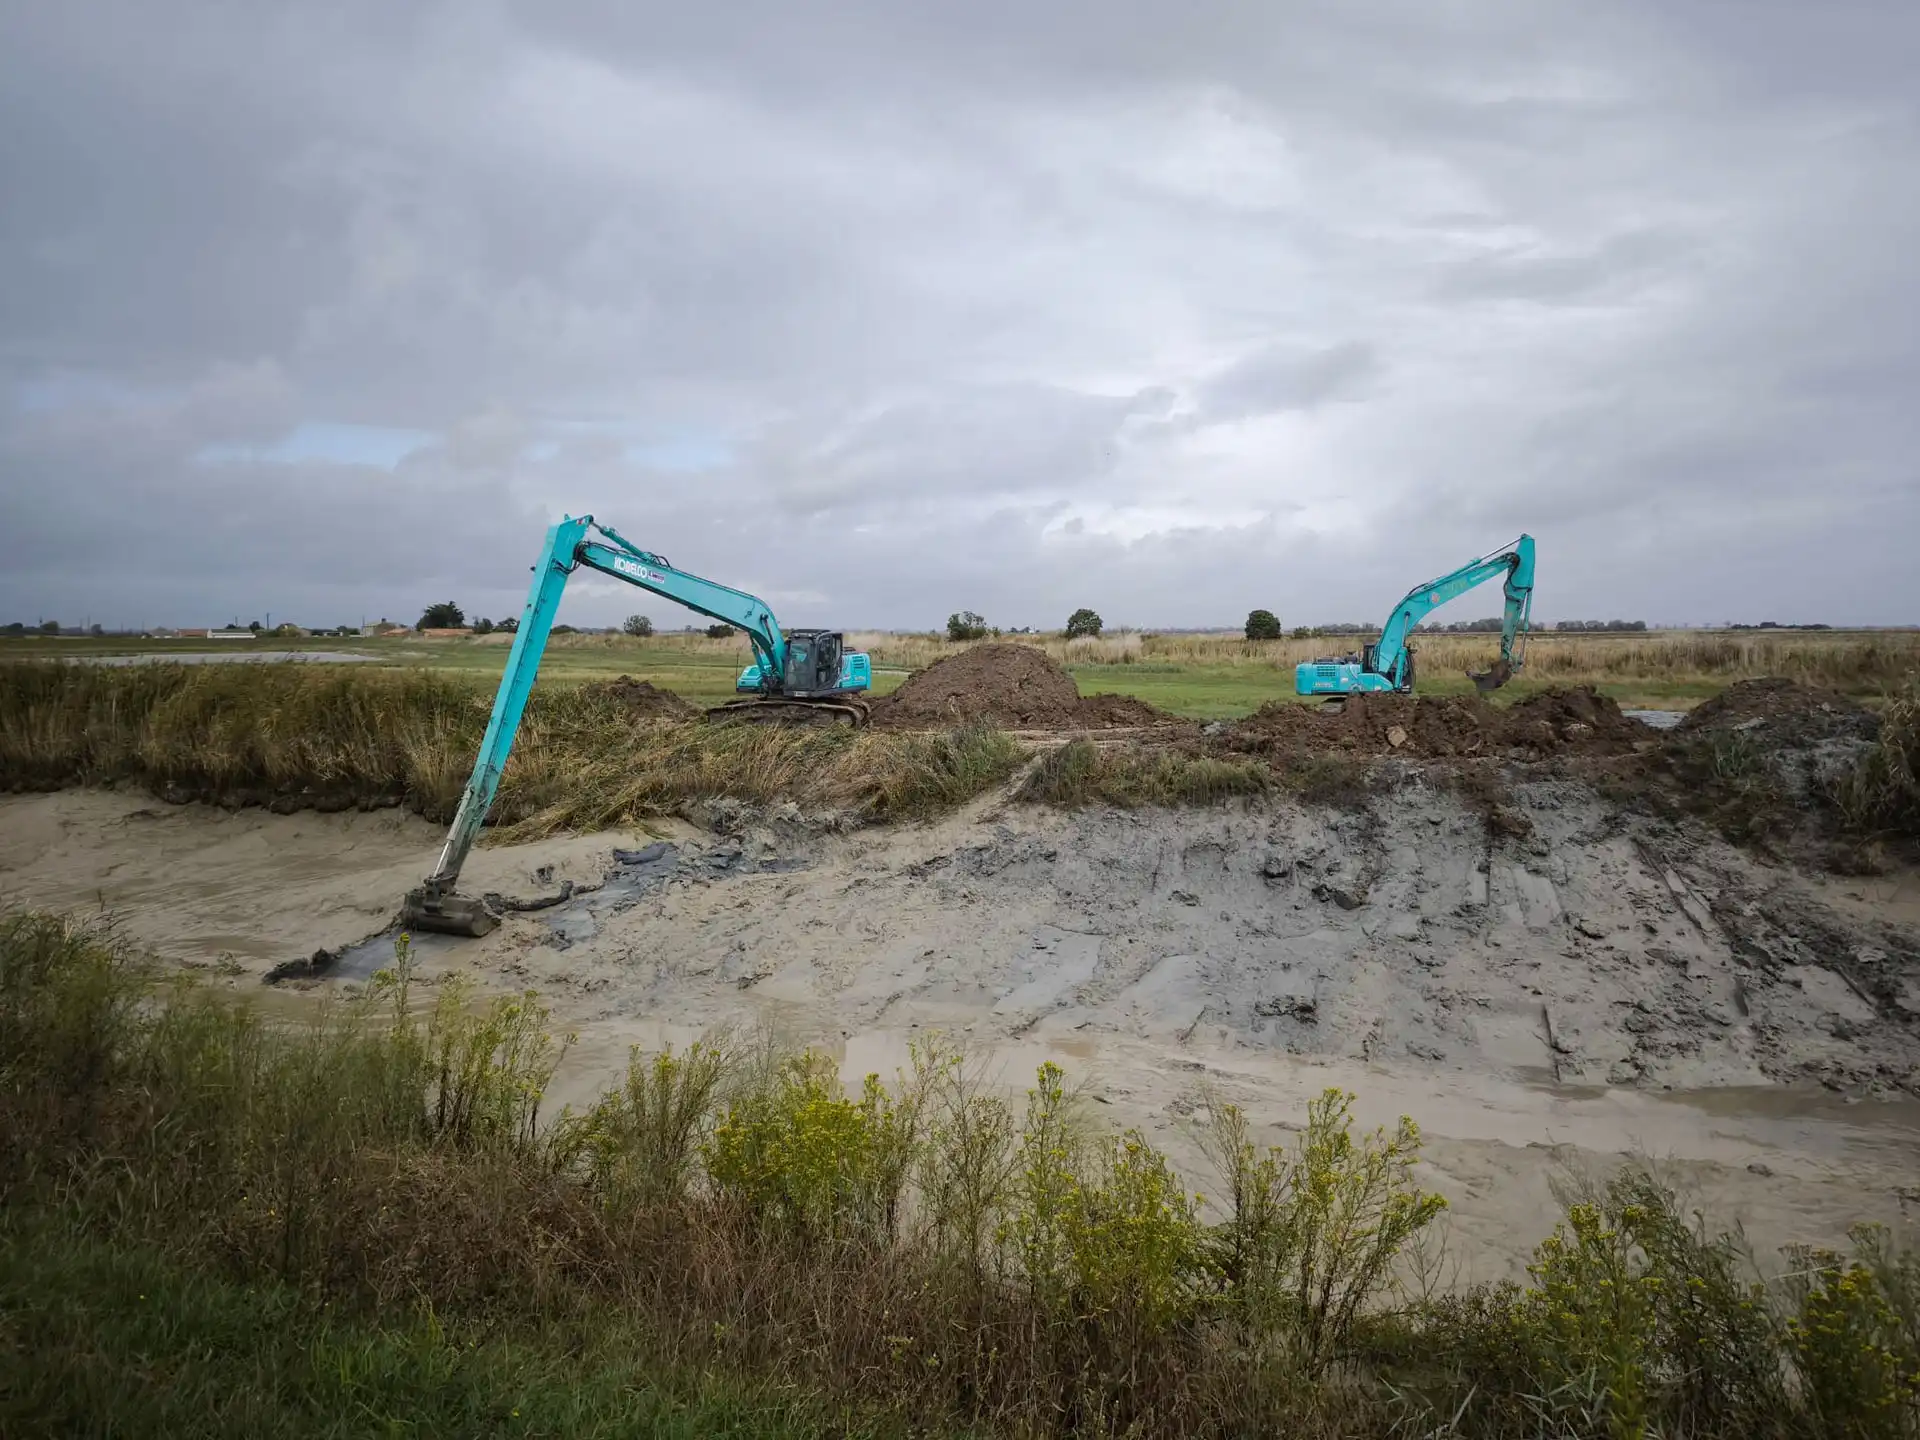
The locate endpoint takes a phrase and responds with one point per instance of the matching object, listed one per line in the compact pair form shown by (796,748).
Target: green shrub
(641,1143)
(1853,1337)
(1631,1305)
(801,1155)
(1313,1234)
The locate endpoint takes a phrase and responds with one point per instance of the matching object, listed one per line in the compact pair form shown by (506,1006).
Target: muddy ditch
(1553,940)
(1584,982)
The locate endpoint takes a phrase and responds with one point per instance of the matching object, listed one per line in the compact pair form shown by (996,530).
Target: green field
(1200,677)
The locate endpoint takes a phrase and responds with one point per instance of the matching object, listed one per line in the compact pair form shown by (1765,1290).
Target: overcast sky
(883,309)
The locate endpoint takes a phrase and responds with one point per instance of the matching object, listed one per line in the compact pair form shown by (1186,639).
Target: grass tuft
(1881,795)
(1082,773)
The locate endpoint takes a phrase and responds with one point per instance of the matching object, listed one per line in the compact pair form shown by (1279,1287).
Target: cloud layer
(884,311)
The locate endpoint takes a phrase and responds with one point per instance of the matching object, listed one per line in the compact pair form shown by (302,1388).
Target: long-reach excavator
(1387,664)
(804,677)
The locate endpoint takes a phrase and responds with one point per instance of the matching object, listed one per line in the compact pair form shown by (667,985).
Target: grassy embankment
(337,737)
(209,1225)
(1199,676)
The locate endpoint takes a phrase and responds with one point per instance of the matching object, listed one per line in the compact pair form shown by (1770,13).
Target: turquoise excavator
(798,677)
(1387,664)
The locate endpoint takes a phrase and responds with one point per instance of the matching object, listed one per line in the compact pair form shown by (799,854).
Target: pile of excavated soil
(1784,713)
(1803,745)
(1554,722)
(1102,712)
(644,699)
(1015,686)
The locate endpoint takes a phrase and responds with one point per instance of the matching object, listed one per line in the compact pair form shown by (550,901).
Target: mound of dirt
(1116,712)
(644,699)
(1554,722)
(1779,712)
(1769,762)
(1015,686)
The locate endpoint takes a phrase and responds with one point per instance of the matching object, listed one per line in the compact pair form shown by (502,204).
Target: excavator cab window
(826,661)
(813,661)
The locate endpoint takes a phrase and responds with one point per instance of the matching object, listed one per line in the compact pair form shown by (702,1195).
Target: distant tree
(510,624)
(49,627)
(1082,622)
(96,629)
(13,629)
(288,628)
(1263,625)
(719,631)
(483,626)
(638,625)
(1602,626)
(965,625)
(563,630)
(444,616)
(254,626)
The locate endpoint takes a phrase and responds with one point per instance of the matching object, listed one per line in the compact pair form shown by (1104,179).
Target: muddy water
(1657,719)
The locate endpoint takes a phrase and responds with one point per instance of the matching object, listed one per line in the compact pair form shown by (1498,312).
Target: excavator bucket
(1493,679)
(445,913)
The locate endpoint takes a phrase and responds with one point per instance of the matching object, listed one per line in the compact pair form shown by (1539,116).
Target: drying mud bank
(1551,986)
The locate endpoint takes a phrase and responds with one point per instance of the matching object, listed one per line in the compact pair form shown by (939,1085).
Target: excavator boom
(1387,664)
(795,676)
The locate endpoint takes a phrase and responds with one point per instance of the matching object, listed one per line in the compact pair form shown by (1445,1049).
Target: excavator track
(761,710)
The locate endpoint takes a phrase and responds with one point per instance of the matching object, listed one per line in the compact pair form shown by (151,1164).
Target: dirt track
(1594,985)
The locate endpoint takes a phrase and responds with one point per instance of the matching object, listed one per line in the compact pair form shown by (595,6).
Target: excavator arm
(1388,663)
(626,561)
(569,545)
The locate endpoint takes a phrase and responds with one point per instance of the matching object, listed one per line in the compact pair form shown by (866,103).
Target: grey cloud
(1282,377)
(1604,271)
(1165,308)
(968,442)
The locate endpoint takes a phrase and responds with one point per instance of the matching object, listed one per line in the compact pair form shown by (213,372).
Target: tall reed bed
(310,736)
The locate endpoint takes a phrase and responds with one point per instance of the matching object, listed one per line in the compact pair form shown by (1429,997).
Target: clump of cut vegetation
(1881,794)
(368,1215)
(1083,773)
(298,736)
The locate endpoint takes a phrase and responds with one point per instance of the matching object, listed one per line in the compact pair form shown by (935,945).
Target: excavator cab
(813,662)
